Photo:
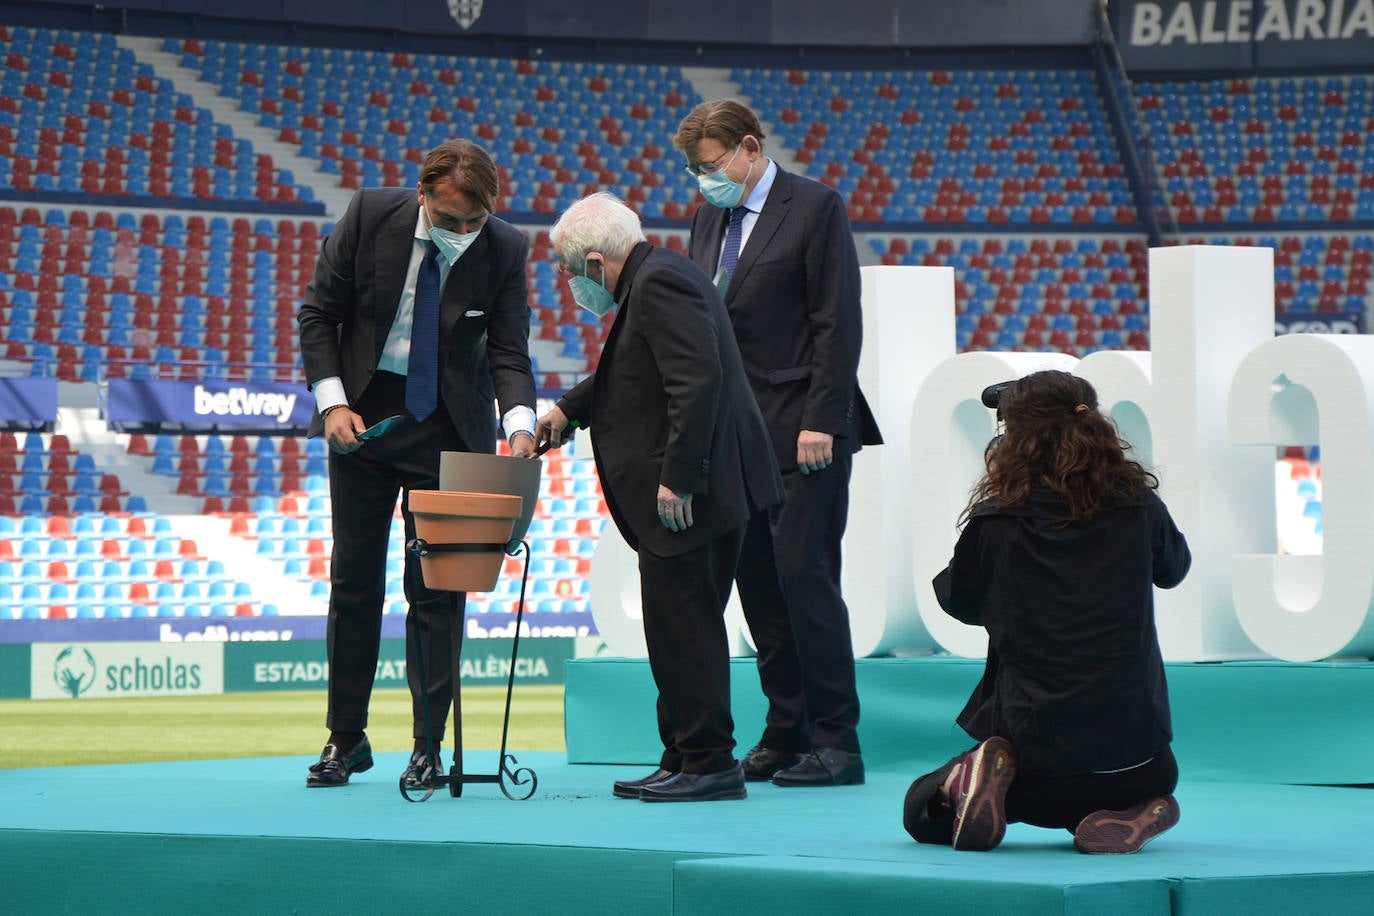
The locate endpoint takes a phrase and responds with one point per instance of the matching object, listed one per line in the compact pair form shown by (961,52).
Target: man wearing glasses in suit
(782,253)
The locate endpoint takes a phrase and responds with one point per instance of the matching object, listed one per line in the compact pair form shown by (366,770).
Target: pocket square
(474,313)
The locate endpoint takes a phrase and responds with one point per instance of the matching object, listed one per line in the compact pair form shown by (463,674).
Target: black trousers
(1044,801)
(363,489)
(1063,801)
(789,585)
(684,600)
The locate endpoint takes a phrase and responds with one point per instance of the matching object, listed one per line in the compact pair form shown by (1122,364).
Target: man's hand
(815,451)
(674,509)
(522,445)
(551,426)
(341,428)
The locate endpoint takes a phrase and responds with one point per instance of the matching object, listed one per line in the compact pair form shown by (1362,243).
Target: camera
(992,397)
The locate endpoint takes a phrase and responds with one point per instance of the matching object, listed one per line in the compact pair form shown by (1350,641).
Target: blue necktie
(422,371)
(733,234)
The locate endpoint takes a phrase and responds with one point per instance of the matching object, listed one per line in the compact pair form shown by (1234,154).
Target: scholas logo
(74,671)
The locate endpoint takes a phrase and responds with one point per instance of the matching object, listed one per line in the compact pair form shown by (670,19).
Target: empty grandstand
(163,201)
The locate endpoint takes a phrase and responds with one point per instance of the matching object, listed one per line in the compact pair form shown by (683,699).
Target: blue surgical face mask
(591,294)
(719,189)
(451,244)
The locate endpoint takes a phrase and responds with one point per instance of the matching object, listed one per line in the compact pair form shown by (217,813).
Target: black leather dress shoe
(629,788)
(335,766)
(420,772)
(824,766)
(762,762)
(727,784)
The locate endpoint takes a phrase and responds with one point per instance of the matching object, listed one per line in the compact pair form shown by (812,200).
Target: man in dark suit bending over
(418,307)
(780,249)
(684,460)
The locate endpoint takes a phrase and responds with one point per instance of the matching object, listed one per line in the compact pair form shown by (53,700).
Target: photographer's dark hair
(1056,439)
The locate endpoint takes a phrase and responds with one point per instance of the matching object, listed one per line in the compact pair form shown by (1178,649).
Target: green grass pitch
(48,733)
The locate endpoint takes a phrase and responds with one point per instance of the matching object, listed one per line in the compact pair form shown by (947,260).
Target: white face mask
(451,244)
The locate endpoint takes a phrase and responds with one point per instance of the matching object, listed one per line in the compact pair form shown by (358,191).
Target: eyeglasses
(461,223)
(709,168)
(455,222)
(572,271)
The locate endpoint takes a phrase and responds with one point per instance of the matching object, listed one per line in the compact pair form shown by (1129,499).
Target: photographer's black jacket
(1074,676)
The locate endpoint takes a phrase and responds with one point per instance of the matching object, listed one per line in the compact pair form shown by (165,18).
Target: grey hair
(598,222)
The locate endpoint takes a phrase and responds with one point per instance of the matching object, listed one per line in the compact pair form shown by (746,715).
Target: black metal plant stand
(510,776)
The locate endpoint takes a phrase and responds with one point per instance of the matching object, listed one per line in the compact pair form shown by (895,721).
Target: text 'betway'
(241,402)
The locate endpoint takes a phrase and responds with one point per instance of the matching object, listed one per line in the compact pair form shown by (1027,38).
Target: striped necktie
(734,232)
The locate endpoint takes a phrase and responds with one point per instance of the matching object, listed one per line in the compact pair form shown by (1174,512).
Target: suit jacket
(484,316)
(794,303)
(669,404)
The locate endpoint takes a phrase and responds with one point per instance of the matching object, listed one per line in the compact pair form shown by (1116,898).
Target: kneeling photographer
(1063,541)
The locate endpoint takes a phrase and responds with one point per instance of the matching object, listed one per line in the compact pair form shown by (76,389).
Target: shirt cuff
(329,392)
(519,419)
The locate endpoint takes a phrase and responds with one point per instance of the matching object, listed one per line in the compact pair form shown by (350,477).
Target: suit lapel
(626,281)
(624,289)
(393,246)
(775,210)
(464,279)
(706,245)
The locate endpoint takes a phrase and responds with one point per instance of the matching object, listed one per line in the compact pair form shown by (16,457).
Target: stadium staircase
(204,95)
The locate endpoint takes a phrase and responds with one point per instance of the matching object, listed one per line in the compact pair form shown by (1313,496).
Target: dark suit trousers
(789,585)
(363,490)
(684,600)
(1045,801)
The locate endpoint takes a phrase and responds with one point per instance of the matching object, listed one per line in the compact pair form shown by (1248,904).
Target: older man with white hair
(684,460)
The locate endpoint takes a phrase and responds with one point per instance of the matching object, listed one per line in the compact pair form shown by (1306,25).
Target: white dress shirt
(329,392)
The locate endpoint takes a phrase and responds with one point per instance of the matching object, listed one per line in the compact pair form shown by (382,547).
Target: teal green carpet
(1233,721)
(238,836)
(246,836)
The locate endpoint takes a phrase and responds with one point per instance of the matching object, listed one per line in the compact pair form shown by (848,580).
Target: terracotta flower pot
(443,517)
